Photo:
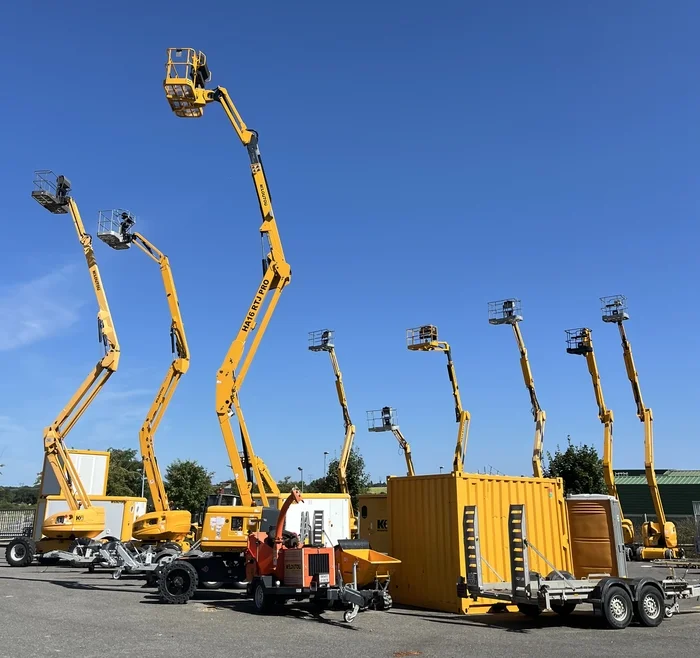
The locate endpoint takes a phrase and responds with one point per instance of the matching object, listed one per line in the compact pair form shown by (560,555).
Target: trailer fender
(598,594)
(637,584)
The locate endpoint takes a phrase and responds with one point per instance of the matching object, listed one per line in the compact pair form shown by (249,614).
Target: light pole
(325,454)
(300,469)
(441,470)
(143,476)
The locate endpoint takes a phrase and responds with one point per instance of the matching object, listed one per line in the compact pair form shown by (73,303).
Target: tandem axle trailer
(617,600)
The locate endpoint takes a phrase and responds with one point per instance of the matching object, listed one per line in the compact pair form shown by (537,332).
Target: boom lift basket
(614,308)
(185,71)
(505,311)
(421,338)
(113,227)
(321,340)
(382,420)
(51,191)
(578,342)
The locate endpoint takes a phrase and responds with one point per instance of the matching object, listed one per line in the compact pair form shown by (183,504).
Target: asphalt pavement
(47,611)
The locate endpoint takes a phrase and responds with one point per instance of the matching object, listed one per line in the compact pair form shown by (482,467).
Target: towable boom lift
(164,524)
(507,311)
(425,339)
(322,341)
(579,341)
(384,420)
(83,520)
(659,537)
(186,75)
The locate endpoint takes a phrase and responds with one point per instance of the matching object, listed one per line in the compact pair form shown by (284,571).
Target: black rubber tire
(211,584)
(564,609)
(20,552)
(649,609)
(617,607)
(177,582)
(382,601)
(171,545)
(529,609)
(80,545)
(262,600)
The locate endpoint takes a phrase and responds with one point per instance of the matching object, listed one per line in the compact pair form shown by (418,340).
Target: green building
(678,491)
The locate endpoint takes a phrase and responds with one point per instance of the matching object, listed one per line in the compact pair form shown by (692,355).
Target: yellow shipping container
(374,521)
(425,526)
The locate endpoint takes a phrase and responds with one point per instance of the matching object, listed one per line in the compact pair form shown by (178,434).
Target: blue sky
(422,163)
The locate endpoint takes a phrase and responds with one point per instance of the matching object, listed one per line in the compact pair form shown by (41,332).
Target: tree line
(188,483)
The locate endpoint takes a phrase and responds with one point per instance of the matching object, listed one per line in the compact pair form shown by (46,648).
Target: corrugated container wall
(425,523)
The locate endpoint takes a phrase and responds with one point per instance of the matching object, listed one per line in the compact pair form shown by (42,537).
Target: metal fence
(16,522)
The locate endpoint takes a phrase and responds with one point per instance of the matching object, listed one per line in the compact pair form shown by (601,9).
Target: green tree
(187,484)
(579,467)
(125,469)
(357,476)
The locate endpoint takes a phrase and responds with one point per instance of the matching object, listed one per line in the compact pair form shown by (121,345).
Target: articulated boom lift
(322,341)
(659,537)
(385,420)
(84,519)
(425,339)
(579,341)
(507,311)
(164,524)
(186,75)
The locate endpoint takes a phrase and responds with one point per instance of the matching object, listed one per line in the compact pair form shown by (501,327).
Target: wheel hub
(618,609)
(18,552)
(651,607)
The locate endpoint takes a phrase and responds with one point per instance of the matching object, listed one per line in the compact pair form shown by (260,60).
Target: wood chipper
(280,568)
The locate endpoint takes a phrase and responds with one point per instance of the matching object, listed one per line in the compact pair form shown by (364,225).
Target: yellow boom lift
(187,73)
(385,420)
(508,311)
(579,341)
(659,537)
(83,520)
(322,340)
(164,524)
(425,339)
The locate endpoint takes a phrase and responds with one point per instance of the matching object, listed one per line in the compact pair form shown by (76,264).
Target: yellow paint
(425,526)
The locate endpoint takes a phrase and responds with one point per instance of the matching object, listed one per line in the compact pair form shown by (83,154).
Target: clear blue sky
(423,161)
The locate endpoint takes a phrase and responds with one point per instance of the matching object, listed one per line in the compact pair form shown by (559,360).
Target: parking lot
(57,610)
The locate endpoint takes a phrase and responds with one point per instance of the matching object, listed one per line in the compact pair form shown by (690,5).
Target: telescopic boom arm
(186,74)
(425,339)
(384,420)
(661,532)
(615,313)
(55,197)
(579,341)
(115,230)
(507,311)
(322,341)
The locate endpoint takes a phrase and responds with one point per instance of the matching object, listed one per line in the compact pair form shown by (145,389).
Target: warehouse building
(678,491)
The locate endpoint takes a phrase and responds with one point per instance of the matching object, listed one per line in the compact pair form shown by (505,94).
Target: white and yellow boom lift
(386,420)
(164,524)
(659,537)
(322,340)
(425,339)
(579,341)
(508,311)
(186,75)
(82,520)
